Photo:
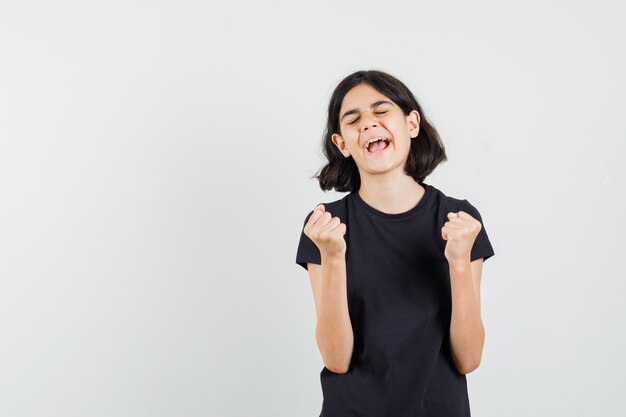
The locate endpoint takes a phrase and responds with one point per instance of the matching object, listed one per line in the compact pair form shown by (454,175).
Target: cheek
(393,125)
(352,136)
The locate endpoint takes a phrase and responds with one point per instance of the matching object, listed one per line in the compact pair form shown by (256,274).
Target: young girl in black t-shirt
(398,317)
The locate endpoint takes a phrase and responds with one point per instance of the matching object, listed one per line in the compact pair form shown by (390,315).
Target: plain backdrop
(155,172)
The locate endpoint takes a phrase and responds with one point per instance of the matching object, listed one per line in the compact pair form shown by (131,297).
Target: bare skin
(366,113)
(334,335)
(467,333)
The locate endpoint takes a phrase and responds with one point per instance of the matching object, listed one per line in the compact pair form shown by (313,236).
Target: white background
(155,164)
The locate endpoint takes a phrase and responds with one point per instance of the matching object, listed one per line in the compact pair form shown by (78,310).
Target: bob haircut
(426,151)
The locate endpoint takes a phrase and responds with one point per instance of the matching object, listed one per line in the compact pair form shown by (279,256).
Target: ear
(413,120)
(341,144)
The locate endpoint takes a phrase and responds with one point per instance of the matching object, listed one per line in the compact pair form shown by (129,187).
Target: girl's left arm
(467,333)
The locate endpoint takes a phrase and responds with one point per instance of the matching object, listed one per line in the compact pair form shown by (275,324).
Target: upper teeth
(375,140)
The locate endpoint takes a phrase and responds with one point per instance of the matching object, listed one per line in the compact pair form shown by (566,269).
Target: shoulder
(449,203)
(446,201)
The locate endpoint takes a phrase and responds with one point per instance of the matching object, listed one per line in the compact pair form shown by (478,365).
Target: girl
(395,265)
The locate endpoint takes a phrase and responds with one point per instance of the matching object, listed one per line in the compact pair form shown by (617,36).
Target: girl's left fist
(459,232)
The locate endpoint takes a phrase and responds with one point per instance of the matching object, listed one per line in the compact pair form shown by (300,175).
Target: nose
(367,122)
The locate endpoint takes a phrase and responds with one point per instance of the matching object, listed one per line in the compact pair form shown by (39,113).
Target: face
(366,114)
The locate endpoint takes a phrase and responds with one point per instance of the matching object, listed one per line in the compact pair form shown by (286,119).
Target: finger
(331,225)
(317,213)
(455,225)
(323,219)
(455,218)
(464,215)
(451,230)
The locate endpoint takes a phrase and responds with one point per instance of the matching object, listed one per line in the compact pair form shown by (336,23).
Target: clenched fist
(459,231)
(326,232)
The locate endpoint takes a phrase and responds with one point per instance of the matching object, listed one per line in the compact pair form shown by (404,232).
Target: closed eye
(378,112)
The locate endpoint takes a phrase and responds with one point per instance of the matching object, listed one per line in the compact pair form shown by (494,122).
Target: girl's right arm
(334,335)
(333,332)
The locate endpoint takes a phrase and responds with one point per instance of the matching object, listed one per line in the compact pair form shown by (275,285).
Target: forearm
(335,338)
(467,333)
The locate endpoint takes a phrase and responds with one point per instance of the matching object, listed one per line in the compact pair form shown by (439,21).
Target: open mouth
(377,147)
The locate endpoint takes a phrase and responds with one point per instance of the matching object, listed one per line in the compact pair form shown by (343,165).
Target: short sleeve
(482,246)
(307,249)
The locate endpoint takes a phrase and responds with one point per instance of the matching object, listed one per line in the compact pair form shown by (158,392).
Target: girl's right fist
(326,232)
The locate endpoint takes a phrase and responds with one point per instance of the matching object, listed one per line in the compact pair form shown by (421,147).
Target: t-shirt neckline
(412,211)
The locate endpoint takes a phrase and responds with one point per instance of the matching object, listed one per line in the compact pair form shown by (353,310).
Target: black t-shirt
(399,300)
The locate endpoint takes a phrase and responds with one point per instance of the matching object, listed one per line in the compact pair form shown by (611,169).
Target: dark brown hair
(427,150)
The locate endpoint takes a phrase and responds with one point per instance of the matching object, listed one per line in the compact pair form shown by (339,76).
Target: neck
(391,192)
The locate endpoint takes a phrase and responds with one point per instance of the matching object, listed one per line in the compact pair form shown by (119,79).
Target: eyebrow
(374,104)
